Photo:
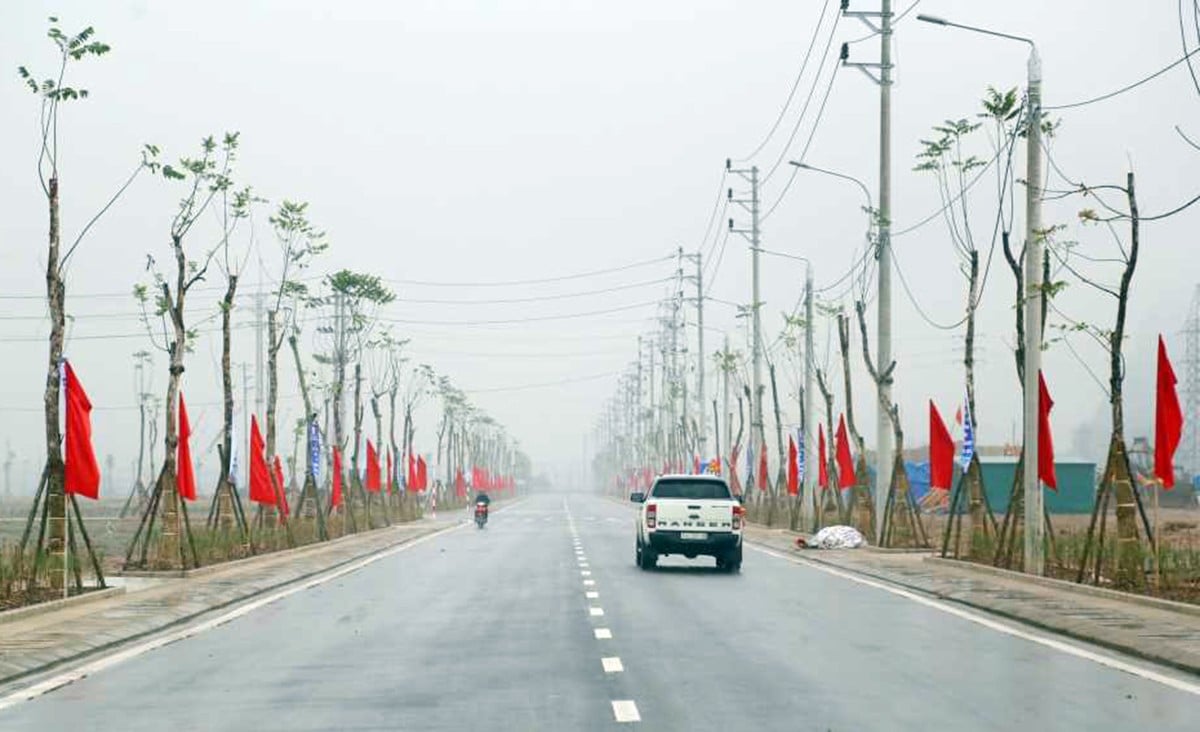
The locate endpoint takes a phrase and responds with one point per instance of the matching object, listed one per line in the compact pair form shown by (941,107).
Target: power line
(544,384)
(536,298)
(538,281)
(896,20)
(1128,87)
(783,153)
(804,153)
(812,43)
(531,319)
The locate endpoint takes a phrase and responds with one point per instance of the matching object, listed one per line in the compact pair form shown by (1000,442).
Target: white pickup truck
(692,515)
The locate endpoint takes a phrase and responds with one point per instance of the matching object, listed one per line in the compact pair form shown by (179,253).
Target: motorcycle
(481,514)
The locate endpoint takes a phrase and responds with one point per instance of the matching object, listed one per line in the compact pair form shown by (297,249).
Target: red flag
(734,484)
(412,474)
(823,470)
(958,416)
(280,489)
(941,451)
(845,461)
(373,481)
(260,475)
(695,465)
(185,480)
(81,473)
(335,499)
(793,468)
(460,485)
(422,473)
(1045,438)
(762,467)
(1168,420)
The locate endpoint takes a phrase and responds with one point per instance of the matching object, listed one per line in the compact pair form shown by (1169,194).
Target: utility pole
(1190,445)
(810,483)
(753,234)
(1035,559)
(883,425)
(702,422)
(258,351)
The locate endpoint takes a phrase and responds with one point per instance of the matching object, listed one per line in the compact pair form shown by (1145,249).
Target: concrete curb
(1096,640)
(28,611)
(1057,584)
(208,569)
(8,683)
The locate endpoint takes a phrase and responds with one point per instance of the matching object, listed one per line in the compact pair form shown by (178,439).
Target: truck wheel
(732,562)
(647,559)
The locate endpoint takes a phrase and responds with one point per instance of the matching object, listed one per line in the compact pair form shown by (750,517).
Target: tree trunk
(169,546)
(844,345)
(56,299)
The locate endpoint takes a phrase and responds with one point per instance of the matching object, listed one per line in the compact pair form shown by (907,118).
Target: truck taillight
(651,515)
(738,513)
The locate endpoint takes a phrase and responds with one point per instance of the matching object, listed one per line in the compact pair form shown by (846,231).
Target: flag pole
(1157,552)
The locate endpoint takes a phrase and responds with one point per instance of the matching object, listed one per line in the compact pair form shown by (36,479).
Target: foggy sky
(468,142)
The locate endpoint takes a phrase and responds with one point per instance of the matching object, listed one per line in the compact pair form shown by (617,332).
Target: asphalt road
(494,630)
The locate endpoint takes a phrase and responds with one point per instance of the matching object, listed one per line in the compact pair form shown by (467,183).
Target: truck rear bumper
(672,542)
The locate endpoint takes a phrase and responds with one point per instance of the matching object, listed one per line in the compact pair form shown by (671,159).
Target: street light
(1034,550)
(880,495)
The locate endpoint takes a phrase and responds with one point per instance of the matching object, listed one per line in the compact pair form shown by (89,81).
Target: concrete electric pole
(753,234)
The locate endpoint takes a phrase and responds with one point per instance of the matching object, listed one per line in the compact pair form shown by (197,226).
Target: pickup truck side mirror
(637,497)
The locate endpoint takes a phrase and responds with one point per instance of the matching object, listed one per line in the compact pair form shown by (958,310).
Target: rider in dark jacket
(483,498)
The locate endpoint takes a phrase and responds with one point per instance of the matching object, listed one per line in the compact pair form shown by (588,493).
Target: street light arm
(934,20)
(843,176)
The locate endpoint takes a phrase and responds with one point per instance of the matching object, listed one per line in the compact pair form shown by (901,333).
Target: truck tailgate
(678,514)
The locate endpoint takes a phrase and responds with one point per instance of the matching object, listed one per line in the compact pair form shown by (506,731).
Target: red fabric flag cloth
(422,473)
(762,467)
(822,461)
(260,474)
(460,484)
(412,474)
(845,461)
(185,480)
(82,472)
(335,498)
(793,468)
(695,465)
(941,451)
(734,484)
(1168,420)
(1045,437)
(373,480)
(280,488)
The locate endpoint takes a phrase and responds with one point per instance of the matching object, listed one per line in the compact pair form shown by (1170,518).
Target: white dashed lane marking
(589,583)
(586,573)
(595,612)
(603,634)
(626,711)
(612,665)
(593,595)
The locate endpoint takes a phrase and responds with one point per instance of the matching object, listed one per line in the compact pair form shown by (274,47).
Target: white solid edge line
(1054,643)
(626,711)
(87,669)
(612,665)
(603,634)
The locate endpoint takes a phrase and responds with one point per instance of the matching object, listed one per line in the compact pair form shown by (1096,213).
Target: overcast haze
(477,142)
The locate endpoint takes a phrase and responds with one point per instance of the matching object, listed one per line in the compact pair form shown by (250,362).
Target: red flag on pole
(412,474)
(373,481)
(422,473)
(941,451)
(185,481)
(762,467)
(280,489)
(335,499)
(734,484)
(1168,420)
(1045,437)
(81,473)
(260,475)
(823,462)
(845,461)
(793,468)
(460,484)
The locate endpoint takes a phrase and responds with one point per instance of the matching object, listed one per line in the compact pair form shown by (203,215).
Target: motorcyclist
(483,498)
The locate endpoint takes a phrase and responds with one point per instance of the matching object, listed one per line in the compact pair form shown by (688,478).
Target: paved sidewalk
(38,643)
(1160,635)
